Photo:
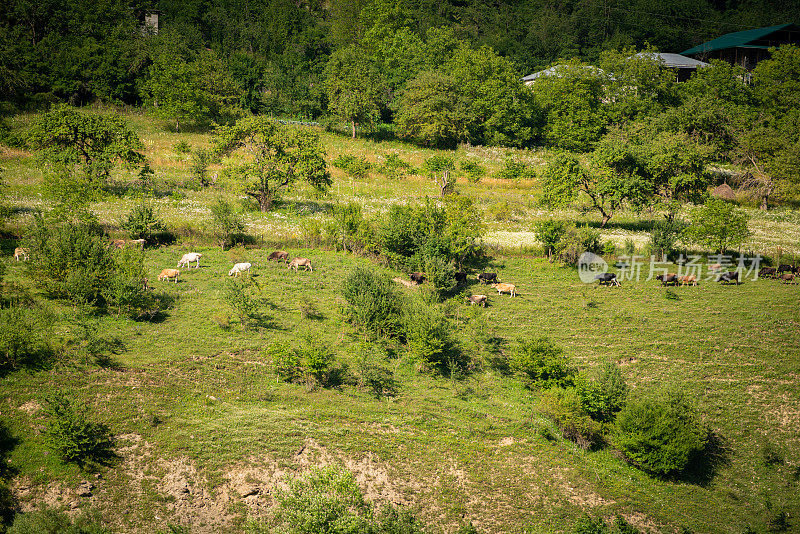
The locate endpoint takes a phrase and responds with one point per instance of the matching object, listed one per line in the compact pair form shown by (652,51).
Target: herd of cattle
(785,273)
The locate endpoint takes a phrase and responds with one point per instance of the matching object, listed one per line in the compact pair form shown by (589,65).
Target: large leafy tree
(571,99)
(353,86)
(273,157)
(718,225)
(430,112)
(90,142)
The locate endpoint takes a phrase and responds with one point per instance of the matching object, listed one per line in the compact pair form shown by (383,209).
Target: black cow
(418,278)
(486,278)
(786,269)
(607,279)
(667,279)
(461,278)
(766,272)
(730,276)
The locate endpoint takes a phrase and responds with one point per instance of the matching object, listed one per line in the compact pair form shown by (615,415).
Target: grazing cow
(486,278)
(730,276)
(787,278)
(783,268)
(418,278)
(166,274)
(668,279)
(511,289)
(688,280)
(461,277)
(188,258)
(480,300)
(767,272)
(20,252)
(239,268)
(279,255)
(607,279)
(300,262)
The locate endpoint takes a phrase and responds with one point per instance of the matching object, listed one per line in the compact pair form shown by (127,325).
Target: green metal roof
(736,39)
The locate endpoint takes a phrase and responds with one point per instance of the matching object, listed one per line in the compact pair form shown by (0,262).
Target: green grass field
(201,419)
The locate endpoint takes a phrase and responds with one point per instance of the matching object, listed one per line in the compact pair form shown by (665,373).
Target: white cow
(239,268)
(188,258)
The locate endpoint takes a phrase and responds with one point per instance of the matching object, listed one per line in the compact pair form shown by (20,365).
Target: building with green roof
(746,48)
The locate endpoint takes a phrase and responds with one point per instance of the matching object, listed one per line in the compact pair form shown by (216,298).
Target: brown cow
(166,274)
(688,280)
(20,252)
(511,289)
(480,300)
(300,262)
(787,278)
(279,255)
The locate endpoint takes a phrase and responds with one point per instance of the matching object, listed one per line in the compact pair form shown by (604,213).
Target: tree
(91,142)
(430,113)
(439,167)
(353,86)
(571,100)
(187,86)
(718,225)
(275,157)
(225,222)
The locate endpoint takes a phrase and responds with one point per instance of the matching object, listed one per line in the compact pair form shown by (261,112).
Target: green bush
(49,521)
(142,223)
(318,360)
(226,223)
(373,302)
(286,361)
(588,525)
(473,170)
(563,408)
(182,147)
(576,241)
(660,434)
(373,374)
(125,285)
(69,256)
(74,437)
(242,295)
(441,274)
(514,169)
(542,364)
(354,167)
(429,338)
(550,234)
(605,396)
(24,334)
(325,500)
(664,237)
(201,159)
(718,225)
(395,168)
(350,231)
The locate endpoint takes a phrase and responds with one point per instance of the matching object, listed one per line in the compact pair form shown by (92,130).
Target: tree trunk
(354,128)
(265,202)
(606,218)
(177,125)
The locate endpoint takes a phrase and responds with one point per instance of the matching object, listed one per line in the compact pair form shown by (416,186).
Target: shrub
(576,241)
(550,234)
(373,374)
(318,360)
(70,257)
(474,171)
(500,210)
(125,284)
(429,338)
(201,159)
(241,294)
(514,169)
(396,168)
(718,225)
(142,223)
(542,364)
(440,273)
(587,525)
(604,397)
(660,434)
(226,223)
(350,231)
(24,332)
(354,167)
(373,302)
(664,237)
(288,364)
(325,500)
(50,521)
(563,408)
(74,437)
(630,247)
(182,147)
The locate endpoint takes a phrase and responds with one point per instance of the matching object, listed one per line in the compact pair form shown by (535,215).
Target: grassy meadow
(205,431)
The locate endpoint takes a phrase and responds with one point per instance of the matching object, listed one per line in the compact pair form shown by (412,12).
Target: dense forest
(274,52)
